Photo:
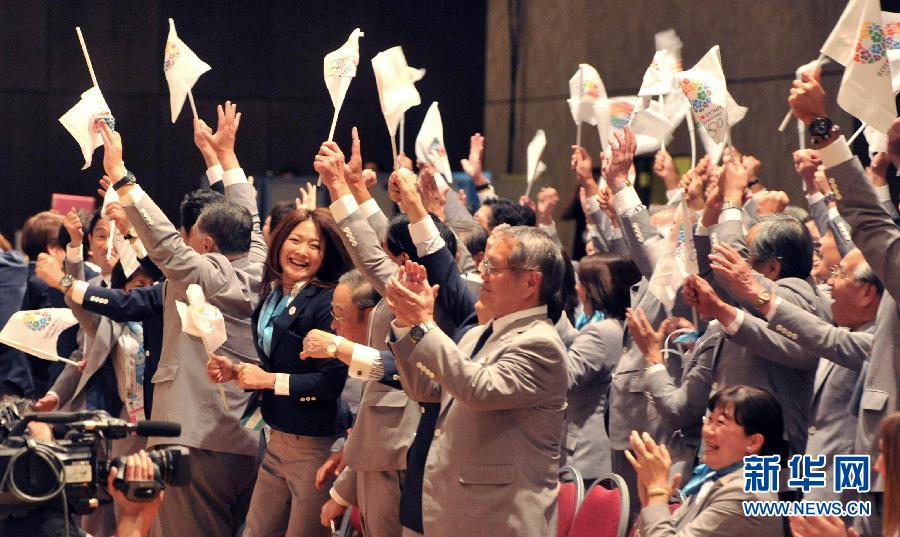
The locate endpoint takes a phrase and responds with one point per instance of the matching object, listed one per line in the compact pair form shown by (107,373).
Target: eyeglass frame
(486,267)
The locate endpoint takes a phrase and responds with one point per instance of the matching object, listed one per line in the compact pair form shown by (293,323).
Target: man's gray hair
(362,294)
(535,250)
(864,274)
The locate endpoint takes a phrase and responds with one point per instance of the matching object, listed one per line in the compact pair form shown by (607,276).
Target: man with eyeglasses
(788,330)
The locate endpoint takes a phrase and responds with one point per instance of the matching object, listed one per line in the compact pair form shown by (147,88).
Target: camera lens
(36,474)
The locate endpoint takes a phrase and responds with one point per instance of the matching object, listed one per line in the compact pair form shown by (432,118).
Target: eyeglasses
(337,317)
(838,273)
(486,267)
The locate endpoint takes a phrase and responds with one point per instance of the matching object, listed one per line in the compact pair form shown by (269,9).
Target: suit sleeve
(417,386)
(842,237)
(454,295)
(721,516)
(591,355)
(244,194)
(345,486)
(138,304)
(391,375)
(458,216)
(643,240)
(818,210)
(379,223)
(682,405)
(753,334)
(364,247)
(328,382)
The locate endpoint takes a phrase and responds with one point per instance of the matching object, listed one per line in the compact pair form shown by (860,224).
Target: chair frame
(577,478)
(624,501)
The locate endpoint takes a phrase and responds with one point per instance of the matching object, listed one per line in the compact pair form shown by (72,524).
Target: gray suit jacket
(592,356)
(492,467)
(876,235)
(182,391)
(720,513)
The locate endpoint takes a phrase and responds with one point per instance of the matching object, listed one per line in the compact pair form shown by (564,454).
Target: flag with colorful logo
(704,86)
(396,90)
(430,143)
(586,91)
(841,41)
(182,68)
(82,122)
(35,332)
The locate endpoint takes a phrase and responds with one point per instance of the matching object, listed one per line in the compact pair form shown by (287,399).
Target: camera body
(34,471)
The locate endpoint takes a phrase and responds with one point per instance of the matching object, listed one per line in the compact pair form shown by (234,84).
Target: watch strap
(127,179)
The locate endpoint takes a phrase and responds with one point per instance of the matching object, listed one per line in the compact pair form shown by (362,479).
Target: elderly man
(503,386)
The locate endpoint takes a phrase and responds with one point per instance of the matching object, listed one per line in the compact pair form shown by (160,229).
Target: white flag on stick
(396,90)
(82,122)
(35,332)
(586,89)
(704,86)
(659,76)
(651,122)
(535,150)
(679,259)
(866,90)
(430,143)
(669,41)
(182,68)
(340,69)
(841,42)
(891,23)
(715,150)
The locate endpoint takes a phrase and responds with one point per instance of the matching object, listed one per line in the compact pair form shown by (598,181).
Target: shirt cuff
(814,198)
(337,497)
(593,204)
(399,333)
(79,288)
(775,303)
(365,363)
(343,207)
(214,174)
(626,200)
(74,254)
(883,193)
(233,176)
(835,153)
(423,231)
(654,368)
(701,230)
(549,229)
(133,197)
(729,215)
(735,325)
(833,213)
(487,194)
(369,207)
(616,233)
(282,384)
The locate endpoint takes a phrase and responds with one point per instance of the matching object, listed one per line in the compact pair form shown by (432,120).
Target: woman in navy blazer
(299,399)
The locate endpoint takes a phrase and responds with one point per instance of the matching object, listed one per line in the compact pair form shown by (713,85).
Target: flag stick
(693,136)
(333,125)
(578,135)
(86,57)
(787,117)
(857,133)
(67,361)
(193,106)
(402,131)
(662,141)
(801,133)
(580,97)
(394,151)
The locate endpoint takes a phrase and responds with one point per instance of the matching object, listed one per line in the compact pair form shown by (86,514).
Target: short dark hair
(362,294)
(278,212)
(228,224)
(757,411)
(786,239)
(506,211)
(40,232)
(95,218)
(335,259)
(192,205)
(607,281)
(399,241)
(535,250)
(475,239)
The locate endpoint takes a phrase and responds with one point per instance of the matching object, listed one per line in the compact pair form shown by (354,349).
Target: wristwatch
(730,205)
(128,179)
(820,129)
(65,282)
(419,330)
(762,298)
(830,197)
(625,185)
(333,347)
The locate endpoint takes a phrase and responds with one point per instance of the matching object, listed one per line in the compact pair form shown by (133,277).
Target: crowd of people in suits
(434,370)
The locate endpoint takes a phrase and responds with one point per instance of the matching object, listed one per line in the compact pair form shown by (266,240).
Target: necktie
(482,339)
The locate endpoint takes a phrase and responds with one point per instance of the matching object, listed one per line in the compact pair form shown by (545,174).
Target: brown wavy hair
(335,259)
(889,434)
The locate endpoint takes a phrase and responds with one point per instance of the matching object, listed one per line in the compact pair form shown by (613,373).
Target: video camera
(33,471)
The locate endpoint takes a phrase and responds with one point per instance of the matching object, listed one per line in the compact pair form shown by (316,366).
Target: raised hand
(405,163)
(113,164)
(821,180)
(733,182)
(74,227)
(806,162)
(699,294)
(222,142)
(583,168)
(735,272)
(202,134)
(370,178)
(433,199)
(307,199)
(622,158)
(547,199)
(353,169)
(116,213)
(315,344)
(49,269)
(329,164)
(472,165)
(648,340)
(692,186)
(807,98)
(652,463)
(752,165)
(664,168)
(403,191)
(410,296)
(771,202)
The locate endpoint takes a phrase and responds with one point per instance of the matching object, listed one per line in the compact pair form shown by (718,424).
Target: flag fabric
(340,68)
(715,150)
(866,91)
(201,319)
(651,122)
(182,68)
(81,122)
(841,41)
(35,332)
(586,90)
(396,90)
(430,143)
(679,259)
(535,150)
(877,141)
(669,41)
(658,77)
(704,86)
(620,112)
(891,23)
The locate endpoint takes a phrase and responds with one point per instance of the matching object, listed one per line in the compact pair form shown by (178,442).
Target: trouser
(621,466)
(216,500)
(378,496)
(285,499)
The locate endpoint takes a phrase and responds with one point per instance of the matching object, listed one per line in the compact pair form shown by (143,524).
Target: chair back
(604,511)
(570,496)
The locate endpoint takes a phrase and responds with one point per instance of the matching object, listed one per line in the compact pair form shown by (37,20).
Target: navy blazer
(143,304)
(312,408)
(15,371)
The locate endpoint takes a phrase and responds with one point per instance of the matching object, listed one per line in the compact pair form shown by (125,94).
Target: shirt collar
(502,323)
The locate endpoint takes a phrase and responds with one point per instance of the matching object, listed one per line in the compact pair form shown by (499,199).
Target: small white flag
(396,90)
(669,41)
(704,87)
(659,76)
(35,332)
(876,140)
(586,89)
(841,41)
(340,68)
(892,44)
(866,91)
(201,319)
(651,122)
(535,150)
(430,143)
(81,122)
(182,68)
(679,259)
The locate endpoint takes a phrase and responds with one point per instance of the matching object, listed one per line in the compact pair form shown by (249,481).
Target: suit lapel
(825,368)
(284,321)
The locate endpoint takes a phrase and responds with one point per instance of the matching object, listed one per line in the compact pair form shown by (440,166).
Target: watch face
(416,333)
(331,349)
(820,127)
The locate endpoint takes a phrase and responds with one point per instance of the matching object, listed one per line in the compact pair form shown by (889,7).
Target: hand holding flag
(430,143)
(203,320)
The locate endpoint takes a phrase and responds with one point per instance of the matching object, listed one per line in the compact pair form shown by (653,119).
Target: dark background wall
(265,55)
